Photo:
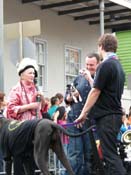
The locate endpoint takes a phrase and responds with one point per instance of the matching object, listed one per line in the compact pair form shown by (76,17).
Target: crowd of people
(100,85)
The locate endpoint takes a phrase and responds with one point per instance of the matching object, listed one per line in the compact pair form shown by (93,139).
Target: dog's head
(71,88)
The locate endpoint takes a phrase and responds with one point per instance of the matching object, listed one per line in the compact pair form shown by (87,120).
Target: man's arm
(91,100)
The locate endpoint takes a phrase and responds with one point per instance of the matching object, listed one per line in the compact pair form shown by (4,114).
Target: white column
(1,48)
(101,2)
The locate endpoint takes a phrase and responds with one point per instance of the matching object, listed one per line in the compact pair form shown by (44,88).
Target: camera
(70,90)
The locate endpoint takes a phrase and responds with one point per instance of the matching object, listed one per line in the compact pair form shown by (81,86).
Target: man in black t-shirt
(104,103)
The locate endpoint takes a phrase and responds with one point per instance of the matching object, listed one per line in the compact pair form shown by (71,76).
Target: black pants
(108,128)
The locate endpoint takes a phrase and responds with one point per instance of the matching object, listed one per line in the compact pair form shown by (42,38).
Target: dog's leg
(18,165)
(80,99)
(8,167)
(75,99)
(29,164)
(41,147)
(58,149)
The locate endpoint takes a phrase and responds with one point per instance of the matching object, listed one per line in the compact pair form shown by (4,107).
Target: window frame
(79,51)
(44,74)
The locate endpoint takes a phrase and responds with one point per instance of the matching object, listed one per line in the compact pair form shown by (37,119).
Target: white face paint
(28,75)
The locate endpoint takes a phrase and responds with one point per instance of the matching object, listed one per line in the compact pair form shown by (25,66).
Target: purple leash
(75,123)
(70,124)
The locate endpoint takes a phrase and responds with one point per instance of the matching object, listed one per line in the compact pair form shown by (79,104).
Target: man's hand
(86,73)
(80,120)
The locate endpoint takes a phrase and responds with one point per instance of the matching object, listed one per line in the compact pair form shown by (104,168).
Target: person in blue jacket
(79,149)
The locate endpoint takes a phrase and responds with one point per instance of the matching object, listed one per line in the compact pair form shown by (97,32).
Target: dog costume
(31,139)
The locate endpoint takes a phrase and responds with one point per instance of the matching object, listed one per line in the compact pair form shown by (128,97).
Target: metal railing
(54,165)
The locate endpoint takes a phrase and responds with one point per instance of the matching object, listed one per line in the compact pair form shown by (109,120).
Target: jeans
(108,128)
(79,152)
(63,171)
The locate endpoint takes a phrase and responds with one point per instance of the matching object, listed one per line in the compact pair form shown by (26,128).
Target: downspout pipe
(101,7)
(1,48)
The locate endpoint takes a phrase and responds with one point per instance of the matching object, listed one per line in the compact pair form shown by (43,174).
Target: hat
(27,63)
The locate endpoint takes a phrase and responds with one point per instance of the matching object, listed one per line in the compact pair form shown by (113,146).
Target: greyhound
(45,134)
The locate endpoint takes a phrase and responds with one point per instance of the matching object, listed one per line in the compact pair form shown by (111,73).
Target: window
(72,63)
(41,55)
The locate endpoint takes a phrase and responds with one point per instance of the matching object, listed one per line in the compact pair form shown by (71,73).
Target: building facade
(60,49)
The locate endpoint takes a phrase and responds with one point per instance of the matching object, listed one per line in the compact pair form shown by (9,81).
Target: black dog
(22,140)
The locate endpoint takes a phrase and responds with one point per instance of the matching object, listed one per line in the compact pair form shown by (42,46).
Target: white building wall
(58,31)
